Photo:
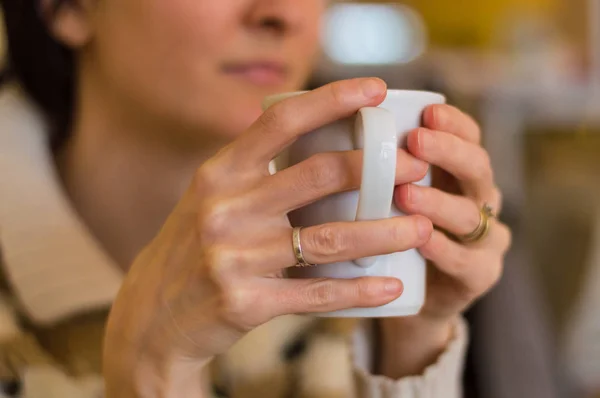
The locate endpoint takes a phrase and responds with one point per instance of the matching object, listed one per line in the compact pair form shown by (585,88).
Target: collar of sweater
(55,266)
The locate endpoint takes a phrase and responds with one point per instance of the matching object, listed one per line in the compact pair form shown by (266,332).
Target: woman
(163,191)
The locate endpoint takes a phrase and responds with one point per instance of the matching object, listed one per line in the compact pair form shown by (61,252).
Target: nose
(277,17)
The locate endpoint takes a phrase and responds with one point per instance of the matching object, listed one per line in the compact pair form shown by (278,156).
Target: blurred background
(529,72)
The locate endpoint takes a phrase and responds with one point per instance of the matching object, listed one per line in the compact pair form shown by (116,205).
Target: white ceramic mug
(378,132)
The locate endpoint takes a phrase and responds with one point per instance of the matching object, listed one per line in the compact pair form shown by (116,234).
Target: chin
(242,114)
(232,124)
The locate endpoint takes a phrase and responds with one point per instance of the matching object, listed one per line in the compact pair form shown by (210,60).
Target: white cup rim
(434,97)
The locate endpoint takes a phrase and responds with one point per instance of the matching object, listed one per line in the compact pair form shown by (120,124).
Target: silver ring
(297,245)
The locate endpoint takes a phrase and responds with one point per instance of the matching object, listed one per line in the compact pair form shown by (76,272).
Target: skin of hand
(212,274)
(459,273)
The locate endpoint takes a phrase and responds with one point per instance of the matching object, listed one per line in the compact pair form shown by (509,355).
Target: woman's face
(200,65)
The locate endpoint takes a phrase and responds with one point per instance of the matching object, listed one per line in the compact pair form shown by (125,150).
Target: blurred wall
(475,23)
(574,19)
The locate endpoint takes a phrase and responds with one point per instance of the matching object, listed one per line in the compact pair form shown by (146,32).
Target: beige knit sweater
(61,283)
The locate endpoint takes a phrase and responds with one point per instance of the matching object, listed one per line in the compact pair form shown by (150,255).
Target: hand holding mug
(210,275)
(460,272)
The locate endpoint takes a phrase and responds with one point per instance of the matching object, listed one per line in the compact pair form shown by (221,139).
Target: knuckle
(493,277)
(326,241)
(483,169)
(497,272)
(215,220)
(270,119)
(498,199)
(337,91)
(324,172)
(276,118)
(482,282)
(471,124)
(363,291)
(222,266)
(204,177)
(235,306)
(397,233)
(320,294)
(233,302)
(404,232)
(505,237)
(477,134)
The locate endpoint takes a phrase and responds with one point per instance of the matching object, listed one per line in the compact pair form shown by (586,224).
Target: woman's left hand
(460,273)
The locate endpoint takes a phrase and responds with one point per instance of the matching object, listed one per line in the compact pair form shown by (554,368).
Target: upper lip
(276,66)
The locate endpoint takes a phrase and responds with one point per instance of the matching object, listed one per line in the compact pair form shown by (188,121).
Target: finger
(297,296)
(477,267)
(468,162)
(499,238)
(284,122)
(452,120)
(336,242)
(458,215)
(325,174)
(331,243)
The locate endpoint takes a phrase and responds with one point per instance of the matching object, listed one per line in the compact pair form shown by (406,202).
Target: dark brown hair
(43,66)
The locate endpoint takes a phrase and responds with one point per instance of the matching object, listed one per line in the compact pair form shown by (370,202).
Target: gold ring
(301,261)
(485,216)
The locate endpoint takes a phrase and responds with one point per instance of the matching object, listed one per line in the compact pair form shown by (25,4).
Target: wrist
(149,368)
(148,376)
(411,344)
(422,328)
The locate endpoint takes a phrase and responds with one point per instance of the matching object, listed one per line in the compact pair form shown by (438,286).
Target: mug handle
(376,134)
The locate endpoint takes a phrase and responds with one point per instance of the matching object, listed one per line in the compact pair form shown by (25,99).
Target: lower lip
(260,76)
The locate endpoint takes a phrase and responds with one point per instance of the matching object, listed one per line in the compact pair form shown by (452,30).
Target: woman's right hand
(212,274)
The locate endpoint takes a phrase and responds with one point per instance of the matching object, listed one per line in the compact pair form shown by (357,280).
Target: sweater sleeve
(582,345)
(51,382)
(27,371)
(441,379)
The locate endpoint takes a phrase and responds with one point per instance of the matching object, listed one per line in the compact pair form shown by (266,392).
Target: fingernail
(419,166)
(436,113)
(425,139)
(393,286)
(414,195)
(372,88)
(423,228)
